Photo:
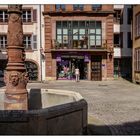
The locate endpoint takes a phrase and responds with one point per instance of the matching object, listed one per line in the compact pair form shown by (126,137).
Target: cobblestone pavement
(114,103)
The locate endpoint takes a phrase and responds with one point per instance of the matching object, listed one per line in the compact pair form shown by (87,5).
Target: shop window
(3,41)
(78,7)
(3,16)
(32,70)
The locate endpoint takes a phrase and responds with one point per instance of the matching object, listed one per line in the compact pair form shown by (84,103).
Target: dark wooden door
(96,74)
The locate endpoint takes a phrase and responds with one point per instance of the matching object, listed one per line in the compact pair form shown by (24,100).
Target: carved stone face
(14,79)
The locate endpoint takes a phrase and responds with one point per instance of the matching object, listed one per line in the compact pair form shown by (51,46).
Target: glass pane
(92,24)
(98,42)
(65,39)
(63,6)
(81,37)
(92,42)
(59,37)
(98,24)
(92,31)
(81,6)
(98,37)
(59,40)
(98,31)
(59,31)
(75,24)
(92,37)
(96,6)
(58,24)
(57,6)
(75,37)
(75,6)
(65,31)
(75,31)
(65,24)
(82,24)
(82,31)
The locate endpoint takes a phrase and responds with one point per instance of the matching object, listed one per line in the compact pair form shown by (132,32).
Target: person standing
(77,74)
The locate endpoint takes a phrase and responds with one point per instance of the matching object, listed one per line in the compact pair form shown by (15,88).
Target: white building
(122,41)
(33,29)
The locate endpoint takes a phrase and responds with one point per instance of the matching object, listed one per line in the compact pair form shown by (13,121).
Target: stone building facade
(33,28)
(136,44)
(122,41)
(79,36)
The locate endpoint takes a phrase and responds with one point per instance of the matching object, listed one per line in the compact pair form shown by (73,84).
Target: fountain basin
(51,112)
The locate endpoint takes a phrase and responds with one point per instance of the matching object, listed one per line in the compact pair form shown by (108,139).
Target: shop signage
(58,59)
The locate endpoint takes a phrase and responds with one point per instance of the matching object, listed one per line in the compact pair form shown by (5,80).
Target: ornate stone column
(15,76)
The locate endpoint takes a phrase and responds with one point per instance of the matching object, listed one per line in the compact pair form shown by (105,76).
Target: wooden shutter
(34,15)
(34,42)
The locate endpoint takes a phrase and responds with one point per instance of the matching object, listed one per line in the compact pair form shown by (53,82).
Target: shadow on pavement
(129,128)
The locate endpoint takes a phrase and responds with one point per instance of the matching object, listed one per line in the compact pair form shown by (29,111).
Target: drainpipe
(40,44)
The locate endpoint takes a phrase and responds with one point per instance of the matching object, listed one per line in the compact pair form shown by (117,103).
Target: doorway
(96,74)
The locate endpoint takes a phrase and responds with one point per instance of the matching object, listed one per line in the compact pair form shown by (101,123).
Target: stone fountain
(35,111)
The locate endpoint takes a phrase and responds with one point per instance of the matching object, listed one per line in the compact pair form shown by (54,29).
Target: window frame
(137,25)
(26,45)
(83,40)
(60,7)
(77,7)
(137,60)
(96,7)
(4,40)
(117,16)
(4,18)
(117,45)
(27,19)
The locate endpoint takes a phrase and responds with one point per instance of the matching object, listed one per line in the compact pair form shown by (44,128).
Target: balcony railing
(78,45)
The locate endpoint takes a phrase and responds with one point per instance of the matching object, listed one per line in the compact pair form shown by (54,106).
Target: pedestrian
(77,74)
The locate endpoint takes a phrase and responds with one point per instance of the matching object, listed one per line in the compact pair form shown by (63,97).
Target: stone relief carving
(14,7)
(15,39)
(14,18)
(14,78)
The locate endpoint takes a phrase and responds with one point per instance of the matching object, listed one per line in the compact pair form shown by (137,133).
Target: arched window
(32,70)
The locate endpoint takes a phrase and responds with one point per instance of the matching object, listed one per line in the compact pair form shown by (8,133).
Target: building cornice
(77,13)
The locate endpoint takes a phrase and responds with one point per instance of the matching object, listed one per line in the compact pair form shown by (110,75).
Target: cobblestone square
(115,104)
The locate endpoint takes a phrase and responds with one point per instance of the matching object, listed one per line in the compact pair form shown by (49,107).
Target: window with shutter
(27,42)
(34,15)
(34,42)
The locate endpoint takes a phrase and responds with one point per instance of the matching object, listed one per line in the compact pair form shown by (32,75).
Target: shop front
(66,65)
